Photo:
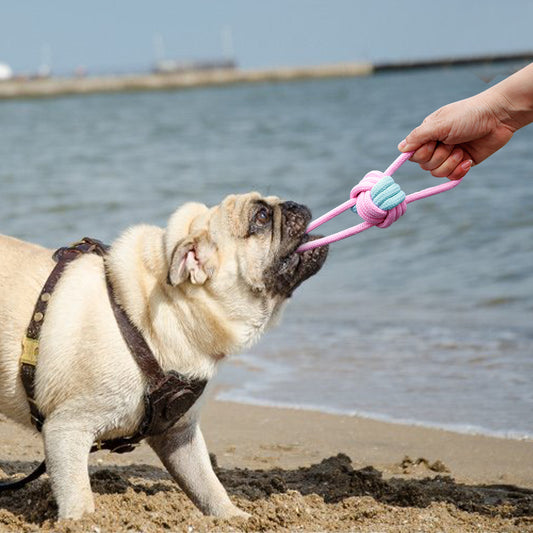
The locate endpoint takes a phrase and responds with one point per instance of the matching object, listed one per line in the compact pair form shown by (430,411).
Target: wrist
(513,99)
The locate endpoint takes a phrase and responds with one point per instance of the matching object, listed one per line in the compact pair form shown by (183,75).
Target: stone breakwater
(24,88)
(57,86)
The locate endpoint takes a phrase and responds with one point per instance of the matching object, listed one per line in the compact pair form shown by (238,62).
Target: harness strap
(168,395)
(30,343)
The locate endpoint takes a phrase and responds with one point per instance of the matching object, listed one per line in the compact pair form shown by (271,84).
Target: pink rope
(372,214)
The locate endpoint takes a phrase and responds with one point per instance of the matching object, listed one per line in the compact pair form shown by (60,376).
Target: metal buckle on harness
(125,447)
(86,241)
(30,351)
(120,445)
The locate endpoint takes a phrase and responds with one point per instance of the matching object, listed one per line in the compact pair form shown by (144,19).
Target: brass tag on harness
(30,351)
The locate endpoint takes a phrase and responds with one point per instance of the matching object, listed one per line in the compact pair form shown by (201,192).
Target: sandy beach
(296,471)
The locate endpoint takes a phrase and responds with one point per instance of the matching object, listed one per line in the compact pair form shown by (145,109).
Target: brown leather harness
(168,395)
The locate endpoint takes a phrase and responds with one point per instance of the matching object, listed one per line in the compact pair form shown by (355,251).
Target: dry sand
(297,471)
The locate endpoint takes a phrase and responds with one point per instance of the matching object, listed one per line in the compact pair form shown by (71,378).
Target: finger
(461,170)
(440,155)
(424,153)
(449,164)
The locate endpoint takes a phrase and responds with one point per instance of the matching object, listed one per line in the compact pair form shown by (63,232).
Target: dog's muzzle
(291,268)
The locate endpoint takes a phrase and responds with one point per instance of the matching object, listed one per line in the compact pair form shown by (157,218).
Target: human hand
(459,135)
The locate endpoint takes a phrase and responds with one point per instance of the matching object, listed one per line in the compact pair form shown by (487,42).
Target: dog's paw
(232,512)
(241,514)
(75,510)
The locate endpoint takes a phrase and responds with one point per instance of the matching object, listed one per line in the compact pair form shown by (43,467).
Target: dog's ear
(192,259)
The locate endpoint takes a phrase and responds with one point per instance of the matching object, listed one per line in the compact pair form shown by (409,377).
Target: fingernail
(402,145)
(467,164)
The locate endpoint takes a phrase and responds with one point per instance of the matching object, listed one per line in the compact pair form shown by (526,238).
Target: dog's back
(24,268)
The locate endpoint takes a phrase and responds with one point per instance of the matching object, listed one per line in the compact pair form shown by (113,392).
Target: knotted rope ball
(377,199)
(380,201)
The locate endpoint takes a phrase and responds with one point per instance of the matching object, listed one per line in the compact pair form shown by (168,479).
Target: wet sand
(296,470)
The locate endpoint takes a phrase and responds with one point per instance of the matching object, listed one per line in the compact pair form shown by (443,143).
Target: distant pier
(57,86)
(454,61)
(172,80)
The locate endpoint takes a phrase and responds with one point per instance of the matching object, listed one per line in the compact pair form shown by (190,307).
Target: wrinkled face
(243,250)
(267,233)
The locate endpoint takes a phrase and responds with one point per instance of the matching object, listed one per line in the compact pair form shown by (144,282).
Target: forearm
(514,97)
(463,133)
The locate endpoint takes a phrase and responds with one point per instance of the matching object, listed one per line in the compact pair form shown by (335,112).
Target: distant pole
(228,51)
(45,68)
(159,48)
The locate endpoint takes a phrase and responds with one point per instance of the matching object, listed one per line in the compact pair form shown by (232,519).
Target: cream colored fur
(87,384)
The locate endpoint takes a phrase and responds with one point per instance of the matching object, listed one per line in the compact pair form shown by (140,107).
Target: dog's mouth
(292,268)
(299,266)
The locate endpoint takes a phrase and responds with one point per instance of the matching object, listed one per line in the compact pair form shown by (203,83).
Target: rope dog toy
(378,200)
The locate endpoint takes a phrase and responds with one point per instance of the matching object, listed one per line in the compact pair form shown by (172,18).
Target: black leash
(19,483)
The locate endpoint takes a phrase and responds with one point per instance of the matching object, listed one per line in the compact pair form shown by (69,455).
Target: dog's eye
(263,216)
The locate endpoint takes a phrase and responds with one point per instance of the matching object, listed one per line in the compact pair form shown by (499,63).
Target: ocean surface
(429,321)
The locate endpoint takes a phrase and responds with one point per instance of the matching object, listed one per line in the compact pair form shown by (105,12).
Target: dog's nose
(297,209)
(296,217)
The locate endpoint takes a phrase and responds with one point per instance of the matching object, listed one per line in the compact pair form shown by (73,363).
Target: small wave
(465,429)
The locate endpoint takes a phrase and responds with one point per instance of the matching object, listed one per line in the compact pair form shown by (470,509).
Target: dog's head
(242,253)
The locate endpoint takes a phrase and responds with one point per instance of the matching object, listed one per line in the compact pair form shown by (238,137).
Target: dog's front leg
(184,454)
(67,445)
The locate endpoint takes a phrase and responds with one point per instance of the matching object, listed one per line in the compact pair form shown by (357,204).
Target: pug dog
(205,287)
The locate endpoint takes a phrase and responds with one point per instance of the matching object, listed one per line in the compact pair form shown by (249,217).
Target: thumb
(418,137)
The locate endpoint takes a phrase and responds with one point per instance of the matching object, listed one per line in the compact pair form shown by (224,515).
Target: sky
(118,35)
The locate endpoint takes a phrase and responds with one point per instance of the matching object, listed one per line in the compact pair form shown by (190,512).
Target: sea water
(429,321)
